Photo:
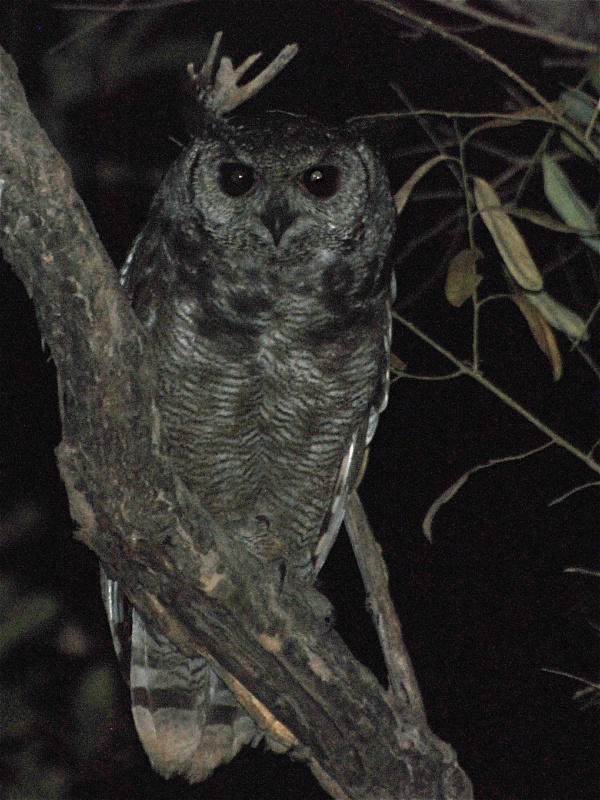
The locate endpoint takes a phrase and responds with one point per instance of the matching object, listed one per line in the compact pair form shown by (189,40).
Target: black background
(487,605)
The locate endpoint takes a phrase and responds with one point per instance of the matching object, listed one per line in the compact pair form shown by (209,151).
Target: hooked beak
(277,218)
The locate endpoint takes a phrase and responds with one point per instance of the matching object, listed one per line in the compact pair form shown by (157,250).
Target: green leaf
(580,106)
(559,316)
(26,618)
(506,236)
(575,147)
(462,279)
(568,205)
(17,716)
(541,218)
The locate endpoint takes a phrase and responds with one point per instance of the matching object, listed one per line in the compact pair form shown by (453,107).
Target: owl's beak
(277,218)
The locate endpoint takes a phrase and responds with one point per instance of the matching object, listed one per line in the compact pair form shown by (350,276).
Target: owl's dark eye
(322,181)
(236,179)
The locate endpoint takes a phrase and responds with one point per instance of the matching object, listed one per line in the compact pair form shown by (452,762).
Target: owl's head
(281,188)
(268,216)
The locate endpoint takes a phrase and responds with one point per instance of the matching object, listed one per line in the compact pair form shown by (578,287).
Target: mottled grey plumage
(262,281)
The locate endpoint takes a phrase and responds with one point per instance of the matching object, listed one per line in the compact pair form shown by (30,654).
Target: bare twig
(573,491)
(447,377)
(559,39)
(584,571)
(87,29)
(129,5)
(451,491)
(221,93)
(375,578)
(589,684)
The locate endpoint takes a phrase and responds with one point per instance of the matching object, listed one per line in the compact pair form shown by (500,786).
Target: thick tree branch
(171,559)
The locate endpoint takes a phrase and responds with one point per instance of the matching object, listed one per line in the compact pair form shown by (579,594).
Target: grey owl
(263,283)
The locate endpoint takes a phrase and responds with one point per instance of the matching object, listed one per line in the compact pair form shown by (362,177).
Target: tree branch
(295,673)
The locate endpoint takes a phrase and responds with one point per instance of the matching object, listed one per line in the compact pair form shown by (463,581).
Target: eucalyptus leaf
(581,107)
(404,192)
(542,332)
(568,204)
(559,316)
(462,279)
(507,238)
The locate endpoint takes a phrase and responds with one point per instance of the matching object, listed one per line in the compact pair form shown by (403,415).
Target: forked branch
(221,93)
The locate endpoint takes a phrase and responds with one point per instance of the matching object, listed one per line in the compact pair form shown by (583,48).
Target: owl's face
(287,191)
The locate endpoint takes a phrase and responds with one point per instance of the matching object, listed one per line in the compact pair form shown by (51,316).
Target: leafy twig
(507,399)
(392,9)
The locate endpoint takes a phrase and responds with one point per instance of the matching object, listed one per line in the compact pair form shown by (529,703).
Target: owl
(263,282)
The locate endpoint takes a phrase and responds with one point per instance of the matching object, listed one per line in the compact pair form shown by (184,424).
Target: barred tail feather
(187,719)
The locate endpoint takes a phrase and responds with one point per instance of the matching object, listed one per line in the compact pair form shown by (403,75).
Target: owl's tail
(187,719)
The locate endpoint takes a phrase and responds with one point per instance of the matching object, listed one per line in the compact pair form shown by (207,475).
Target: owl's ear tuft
(379,132)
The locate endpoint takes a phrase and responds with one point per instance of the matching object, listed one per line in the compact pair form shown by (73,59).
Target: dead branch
(219,91)
(375,578)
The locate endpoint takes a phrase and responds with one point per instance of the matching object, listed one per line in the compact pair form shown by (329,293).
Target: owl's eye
(236,179)
(322,181)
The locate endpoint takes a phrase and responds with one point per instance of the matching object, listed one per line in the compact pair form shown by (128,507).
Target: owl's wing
(355,457)
(187,719)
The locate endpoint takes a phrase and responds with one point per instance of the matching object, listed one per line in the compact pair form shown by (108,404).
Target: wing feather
(352,466)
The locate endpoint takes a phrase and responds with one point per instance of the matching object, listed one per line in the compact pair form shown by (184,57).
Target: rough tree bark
(273,647)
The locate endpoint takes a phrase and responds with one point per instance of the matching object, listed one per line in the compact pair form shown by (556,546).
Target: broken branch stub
(221,93)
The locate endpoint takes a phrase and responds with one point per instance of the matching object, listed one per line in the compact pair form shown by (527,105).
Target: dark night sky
(487,605)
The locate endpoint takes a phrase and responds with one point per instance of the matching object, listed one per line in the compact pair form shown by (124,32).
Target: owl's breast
(259,417)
